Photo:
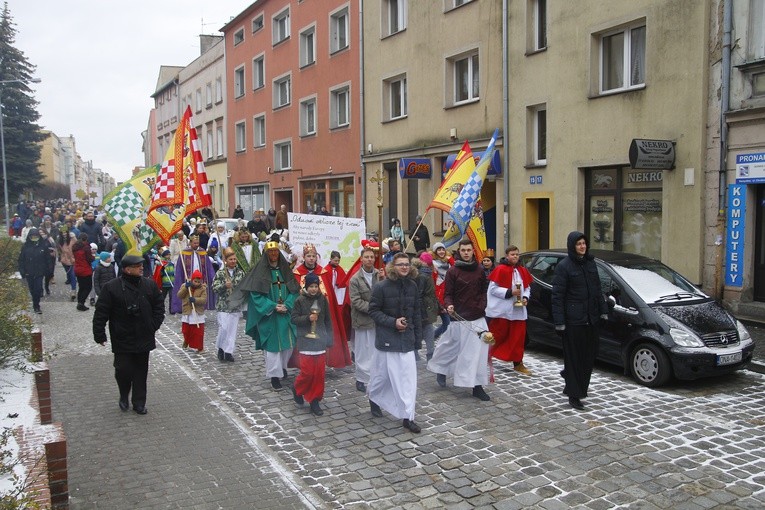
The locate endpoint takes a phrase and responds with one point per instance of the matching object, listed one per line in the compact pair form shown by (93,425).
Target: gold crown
(309,247)
(272,245)
(489,253)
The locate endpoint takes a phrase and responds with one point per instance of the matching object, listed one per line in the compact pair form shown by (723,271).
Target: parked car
(660,325)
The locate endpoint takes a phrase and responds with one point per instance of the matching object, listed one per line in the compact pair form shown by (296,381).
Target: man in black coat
(93,229)
(395,308)
(420,235)
(257,225)
(578,306)
(34,263)
(133,307)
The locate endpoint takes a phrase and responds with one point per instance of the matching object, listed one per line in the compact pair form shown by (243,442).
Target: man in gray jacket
(395,308)
(360,288)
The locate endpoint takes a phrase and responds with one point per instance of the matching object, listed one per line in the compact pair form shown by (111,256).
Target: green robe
(272,331)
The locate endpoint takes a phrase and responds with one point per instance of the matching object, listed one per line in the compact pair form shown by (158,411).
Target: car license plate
(728,359)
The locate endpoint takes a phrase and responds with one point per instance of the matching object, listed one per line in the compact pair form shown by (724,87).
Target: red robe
(509,335)
(338,356)
(341,282)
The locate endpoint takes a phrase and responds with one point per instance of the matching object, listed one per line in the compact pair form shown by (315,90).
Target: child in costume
(193,296)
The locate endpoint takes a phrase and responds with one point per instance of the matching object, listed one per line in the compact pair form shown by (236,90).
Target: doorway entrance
(537,228)
(759,245)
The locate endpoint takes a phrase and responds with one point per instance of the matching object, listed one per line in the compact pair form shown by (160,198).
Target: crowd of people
(305,314)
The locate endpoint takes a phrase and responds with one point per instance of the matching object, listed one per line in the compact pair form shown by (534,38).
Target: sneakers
(315,408)
(360,386)
(480,394)
(297,398)
(521,368)
(37,310)
(82,307)
(441,380)
(376,411)
(276,383)
(412,426)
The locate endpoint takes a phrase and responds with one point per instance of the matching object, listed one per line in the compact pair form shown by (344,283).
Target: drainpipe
(505,124)
(723,172)
(362,133)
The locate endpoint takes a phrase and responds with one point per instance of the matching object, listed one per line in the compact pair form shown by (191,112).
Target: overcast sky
(99,61)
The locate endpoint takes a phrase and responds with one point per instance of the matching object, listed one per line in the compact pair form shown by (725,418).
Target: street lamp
(2,149)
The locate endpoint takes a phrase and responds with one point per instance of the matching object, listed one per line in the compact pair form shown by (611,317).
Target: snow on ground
(15,411)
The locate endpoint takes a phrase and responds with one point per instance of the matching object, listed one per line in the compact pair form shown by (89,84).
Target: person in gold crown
(338,355)
(271,291)
(191,259)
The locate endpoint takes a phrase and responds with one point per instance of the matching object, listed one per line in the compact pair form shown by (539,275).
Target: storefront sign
(652,154)
(495,168)
(414,168)
(750,168)
(734,245)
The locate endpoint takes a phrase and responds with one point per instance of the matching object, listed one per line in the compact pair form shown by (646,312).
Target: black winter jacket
(35,259)
(577,298)
(134,314)
(392,298)
(95,233)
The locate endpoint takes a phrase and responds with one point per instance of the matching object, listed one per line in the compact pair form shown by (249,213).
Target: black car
(660,325)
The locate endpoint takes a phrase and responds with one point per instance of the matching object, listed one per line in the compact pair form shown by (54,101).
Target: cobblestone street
(218,436)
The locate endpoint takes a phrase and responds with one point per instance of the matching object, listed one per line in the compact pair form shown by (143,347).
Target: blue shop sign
(734,238)
(415,168)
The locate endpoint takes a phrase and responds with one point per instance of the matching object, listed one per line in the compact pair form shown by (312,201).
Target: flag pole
(379,179)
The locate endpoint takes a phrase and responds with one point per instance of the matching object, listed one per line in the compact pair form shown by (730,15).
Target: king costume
(508,322)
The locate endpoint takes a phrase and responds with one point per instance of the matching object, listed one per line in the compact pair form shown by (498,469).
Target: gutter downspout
(505,123)
(362,132)
(719,289)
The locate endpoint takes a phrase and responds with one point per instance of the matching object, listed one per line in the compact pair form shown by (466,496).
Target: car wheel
(649,365)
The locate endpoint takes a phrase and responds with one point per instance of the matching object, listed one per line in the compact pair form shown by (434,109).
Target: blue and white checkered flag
(464,204)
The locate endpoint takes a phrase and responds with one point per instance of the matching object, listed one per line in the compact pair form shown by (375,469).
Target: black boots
(297,398)
(412,426)
(575,403)
(376,411)
(480,394)
(441,380)
(360,386)
(315,409)
(276,383)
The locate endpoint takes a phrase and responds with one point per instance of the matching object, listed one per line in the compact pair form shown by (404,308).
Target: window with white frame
(238,36)
(282,91)
(259,131)
(622,59)
(463,71)
(283,155)
(395,98)
(539,24)
(537,134)
(199,100)
(218,90)
(281,26)
(339,100)
(453,4)
(338,30)
(258,72)
(209,147)
(239,82)
(240,130)
(308,46)
(219,140)
(756,49)
(308,117)
(208,95)
(257,23)
(393,16)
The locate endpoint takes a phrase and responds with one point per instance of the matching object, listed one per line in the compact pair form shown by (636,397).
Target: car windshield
(656,283)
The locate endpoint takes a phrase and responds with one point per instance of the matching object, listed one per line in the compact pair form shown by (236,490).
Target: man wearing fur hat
(271,290)
(191,259)
(132,305)
(338,355)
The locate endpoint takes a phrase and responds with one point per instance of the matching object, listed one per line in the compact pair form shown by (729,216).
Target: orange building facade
(293,115)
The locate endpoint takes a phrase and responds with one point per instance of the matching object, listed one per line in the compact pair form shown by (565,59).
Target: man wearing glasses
(460,352)
(395,308)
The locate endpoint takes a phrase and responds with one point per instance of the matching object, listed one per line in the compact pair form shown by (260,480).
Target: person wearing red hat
(193,296)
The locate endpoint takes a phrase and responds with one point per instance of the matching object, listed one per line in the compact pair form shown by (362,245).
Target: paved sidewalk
(217,436)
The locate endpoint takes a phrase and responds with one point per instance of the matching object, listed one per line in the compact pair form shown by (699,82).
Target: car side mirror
(621,309)
(611,302)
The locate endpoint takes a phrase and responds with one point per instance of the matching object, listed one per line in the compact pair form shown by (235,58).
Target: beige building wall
(434,36)
(50,158)
(586,129)
(202,85)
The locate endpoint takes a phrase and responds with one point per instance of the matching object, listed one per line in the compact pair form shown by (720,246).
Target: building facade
(293,115)
(735,248)
(202,86)
(432,80)
(607,121)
